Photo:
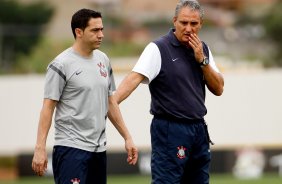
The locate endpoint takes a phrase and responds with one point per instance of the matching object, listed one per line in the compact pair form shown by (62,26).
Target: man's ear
(78,32)
(174,20)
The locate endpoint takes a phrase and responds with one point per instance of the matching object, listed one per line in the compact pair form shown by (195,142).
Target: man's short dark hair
(81,17)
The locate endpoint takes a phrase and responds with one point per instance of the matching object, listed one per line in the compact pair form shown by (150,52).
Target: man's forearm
(115,117)
(45,122)
(43,129)
(214,80)
(127,86)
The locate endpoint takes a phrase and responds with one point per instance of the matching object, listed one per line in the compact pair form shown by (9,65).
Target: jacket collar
(173,39)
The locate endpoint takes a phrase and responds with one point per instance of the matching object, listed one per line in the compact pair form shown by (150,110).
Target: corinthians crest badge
(103,71)
(181,152)
(75,181)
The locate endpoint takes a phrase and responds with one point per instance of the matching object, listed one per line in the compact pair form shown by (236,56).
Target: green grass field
(139,179)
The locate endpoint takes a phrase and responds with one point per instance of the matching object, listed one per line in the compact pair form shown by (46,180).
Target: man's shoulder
(101,55)
(161,39)
(62,60)
(204,44)
(64,56)
(166,40)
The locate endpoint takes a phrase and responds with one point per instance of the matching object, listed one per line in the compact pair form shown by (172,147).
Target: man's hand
(132,152)
(197,46)
(39,161)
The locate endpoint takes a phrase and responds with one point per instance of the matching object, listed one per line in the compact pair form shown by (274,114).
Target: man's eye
(98,29)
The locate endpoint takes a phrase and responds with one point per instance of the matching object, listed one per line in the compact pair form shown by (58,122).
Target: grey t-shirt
(81,86)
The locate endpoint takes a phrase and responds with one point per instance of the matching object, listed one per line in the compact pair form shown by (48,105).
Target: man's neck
(82,50)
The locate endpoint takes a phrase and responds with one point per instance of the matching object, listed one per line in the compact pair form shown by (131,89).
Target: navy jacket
(178,91)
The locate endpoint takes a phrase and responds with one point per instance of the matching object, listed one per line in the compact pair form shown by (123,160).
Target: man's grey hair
(193,4)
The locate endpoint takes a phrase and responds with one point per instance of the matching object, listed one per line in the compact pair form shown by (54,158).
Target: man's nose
(100,34)
(188,28)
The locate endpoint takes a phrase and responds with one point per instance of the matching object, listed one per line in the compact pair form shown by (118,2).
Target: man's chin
(96,47)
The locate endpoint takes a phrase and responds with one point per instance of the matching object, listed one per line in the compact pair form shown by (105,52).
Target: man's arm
(214,80)
(128,85)
(39,161)
(115,117)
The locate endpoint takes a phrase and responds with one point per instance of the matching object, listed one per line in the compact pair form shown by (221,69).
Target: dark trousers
(71,165)
(180,152)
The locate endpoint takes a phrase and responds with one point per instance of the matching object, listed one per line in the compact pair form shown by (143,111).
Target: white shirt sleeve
(212,62)
(54,81)
(149,63)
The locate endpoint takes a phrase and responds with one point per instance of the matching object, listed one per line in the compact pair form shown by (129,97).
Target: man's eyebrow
(97,28)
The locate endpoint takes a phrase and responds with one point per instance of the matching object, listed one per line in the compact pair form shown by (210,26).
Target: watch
(205,62)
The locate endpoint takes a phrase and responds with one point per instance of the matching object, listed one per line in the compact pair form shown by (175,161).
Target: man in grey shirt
(79,85)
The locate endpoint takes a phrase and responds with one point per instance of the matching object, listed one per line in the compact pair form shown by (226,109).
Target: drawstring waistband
(207,134)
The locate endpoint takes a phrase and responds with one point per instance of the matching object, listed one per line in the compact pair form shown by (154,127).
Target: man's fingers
(196,44)
(132,157)
(134,160)
(194,41)
(129,156)
(195,38)
(39,168)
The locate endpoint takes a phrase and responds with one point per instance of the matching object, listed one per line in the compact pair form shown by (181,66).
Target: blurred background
(245,37)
